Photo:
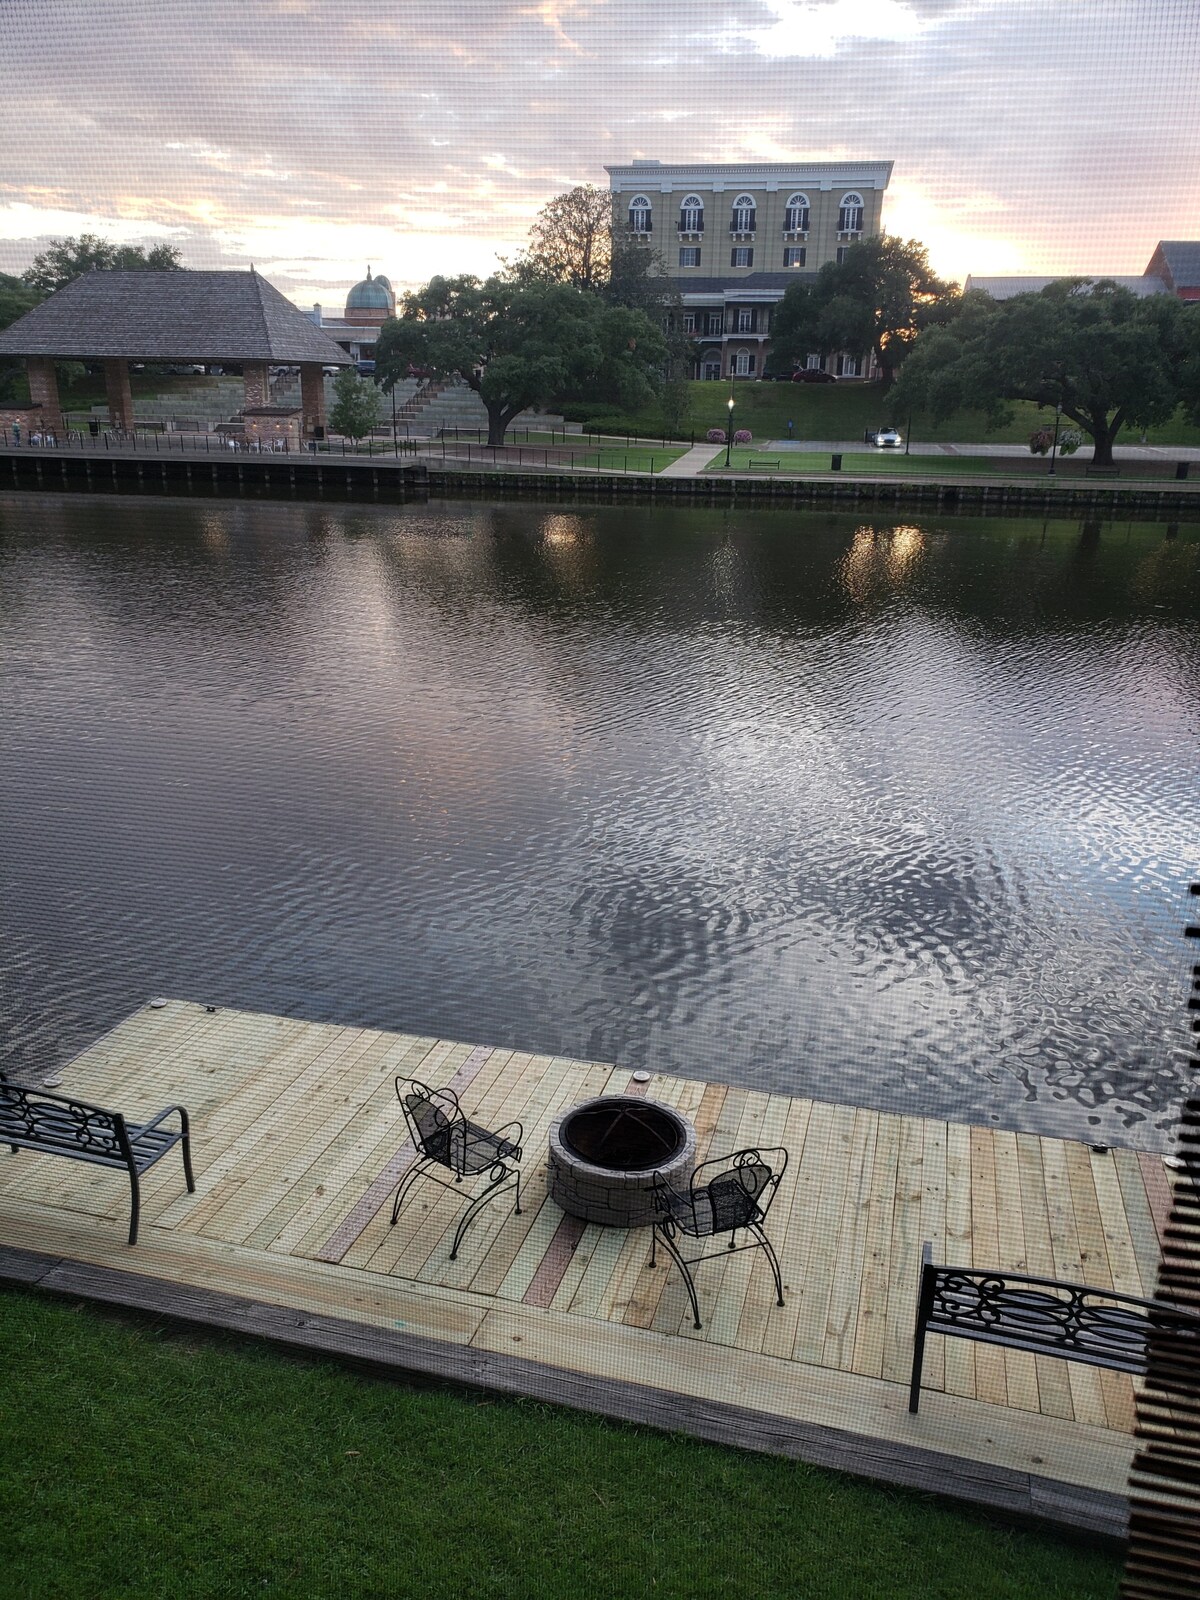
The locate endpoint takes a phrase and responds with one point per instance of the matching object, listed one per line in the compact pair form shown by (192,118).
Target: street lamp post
(729,432)
(1054,446)
(395,446)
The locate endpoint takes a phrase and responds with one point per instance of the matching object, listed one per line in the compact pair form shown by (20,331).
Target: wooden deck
(298,1144)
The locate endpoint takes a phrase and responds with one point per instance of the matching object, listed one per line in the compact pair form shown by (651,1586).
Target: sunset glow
(311,137)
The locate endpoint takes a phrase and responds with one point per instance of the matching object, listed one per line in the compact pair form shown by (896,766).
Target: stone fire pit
(604,1155)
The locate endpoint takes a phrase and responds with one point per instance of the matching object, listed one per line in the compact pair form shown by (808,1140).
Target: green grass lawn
(147,1464)
(894,463)
(845,410)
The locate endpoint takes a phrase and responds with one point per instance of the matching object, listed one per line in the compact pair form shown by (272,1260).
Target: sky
(313,138)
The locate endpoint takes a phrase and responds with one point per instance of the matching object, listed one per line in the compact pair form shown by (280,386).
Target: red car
(812,375)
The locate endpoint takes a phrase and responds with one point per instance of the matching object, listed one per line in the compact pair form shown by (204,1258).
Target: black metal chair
(727,1193)
(445,1138)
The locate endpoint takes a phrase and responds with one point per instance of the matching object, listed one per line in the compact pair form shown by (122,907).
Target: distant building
(733,238)
(1004,288)
(368,306)
(1177,263)
(1174,268)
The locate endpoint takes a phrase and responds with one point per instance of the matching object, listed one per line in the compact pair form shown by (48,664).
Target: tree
(66,259)
(356,404)
(519,343)
(1106,356)
(879,297)
(572,241)
(16,298)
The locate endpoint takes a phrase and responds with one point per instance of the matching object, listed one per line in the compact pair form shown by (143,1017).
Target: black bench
(1102,472)
(1041,1315)
(33,1119)
(770,465)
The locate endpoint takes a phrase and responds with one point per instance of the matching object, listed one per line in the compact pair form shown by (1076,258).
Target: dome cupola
(371,301)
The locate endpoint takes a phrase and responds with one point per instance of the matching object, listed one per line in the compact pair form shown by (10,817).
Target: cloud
(819,27)
(1024,134)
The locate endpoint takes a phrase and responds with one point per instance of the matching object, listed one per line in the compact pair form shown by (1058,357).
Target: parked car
(885,439)
(813,375)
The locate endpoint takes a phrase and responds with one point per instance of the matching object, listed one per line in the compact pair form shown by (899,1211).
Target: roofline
(798,171)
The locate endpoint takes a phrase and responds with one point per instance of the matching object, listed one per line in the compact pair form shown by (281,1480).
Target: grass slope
(146,1464)
(845,410)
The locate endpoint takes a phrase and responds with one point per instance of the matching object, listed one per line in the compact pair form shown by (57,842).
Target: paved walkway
(691,464)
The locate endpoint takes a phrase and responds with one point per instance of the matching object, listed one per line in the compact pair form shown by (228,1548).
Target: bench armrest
(145,1127)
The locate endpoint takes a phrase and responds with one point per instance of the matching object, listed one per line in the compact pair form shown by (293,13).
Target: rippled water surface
(895,815)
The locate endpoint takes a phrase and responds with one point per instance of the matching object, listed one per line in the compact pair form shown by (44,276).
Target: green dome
(372,294)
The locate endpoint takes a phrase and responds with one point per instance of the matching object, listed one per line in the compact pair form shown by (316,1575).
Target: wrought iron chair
(444,1138)
(727,1193)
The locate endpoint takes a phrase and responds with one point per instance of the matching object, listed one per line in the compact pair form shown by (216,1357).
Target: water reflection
(898,813)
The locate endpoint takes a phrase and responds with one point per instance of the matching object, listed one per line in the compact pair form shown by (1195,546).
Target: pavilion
(119,317)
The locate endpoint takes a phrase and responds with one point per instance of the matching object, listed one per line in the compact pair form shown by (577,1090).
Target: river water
(899,814)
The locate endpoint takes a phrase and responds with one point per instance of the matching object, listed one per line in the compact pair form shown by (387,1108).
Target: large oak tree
(879,297)
(522,343)
(1109,358)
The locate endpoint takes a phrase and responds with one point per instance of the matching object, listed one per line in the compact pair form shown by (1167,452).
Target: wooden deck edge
(1019,1495)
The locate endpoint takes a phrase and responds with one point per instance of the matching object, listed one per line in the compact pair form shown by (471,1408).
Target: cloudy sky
(314,136)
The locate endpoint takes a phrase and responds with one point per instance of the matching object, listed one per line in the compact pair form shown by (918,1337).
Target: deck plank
(296,1134)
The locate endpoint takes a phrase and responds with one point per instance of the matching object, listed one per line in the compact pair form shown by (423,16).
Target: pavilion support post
(312,397)
(118,394)
(256,382)
(43,392)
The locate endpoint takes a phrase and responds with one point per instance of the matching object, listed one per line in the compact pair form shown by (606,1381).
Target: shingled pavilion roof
(171,316)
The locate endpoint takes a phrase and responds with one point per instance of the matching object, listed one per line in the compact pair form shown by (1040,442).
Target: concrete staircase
(424,407)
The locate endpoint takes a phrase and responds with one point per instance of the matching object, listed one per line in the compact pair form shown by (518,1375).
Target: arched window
(742,219)
(691,214)
(743,364)
(850,213)
(639,214)
(795,214)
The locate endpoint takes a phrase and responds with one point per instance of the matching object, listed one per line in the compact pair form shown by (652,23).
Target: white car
(888,438)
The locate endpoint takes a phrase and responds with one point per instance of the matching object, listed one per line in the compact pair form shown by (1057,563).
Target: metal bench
(55,1125)
(769,465)
(1040,1315)
(1102,472)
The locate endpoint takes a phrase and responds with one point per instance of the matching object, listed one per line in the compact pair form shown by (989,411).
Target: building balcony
(849,233)
(746,234)
(696,234)
(796,235)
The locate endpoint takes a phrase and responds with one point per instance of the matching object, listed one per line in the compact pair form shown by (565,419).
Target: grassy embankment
(149,1464)
(843,411)
(895,464)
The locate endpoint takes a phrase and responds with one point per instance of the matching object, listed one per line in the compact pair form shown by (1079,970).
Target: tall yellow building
(734,237)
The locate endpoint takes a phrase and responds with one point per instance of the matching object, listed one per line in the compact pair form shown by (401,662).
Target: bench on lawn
(769,464)
(1102,472)
(1040,1315)
(55,1125)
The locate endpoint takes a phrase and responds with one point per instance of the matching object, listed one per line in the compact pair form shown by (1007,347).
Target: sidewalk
(693,463)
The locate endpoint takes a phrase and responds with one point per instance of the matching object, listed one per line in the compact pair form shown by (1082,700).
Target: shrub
(743,436)
(715,436)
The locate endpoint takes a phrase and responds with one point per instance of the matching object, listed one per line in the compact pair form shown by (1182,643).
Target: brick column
(312,397)
(118,393)
(257,384)
(43,392)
